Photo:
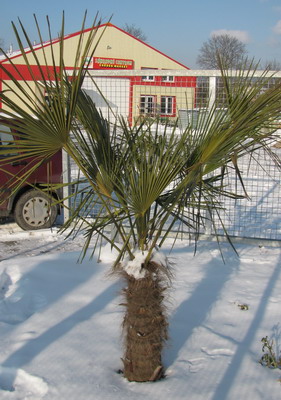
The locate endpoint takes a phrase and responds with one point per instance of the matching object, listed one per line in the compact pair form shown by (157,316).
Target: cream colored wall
(114,43)
(124,46)
(30,89)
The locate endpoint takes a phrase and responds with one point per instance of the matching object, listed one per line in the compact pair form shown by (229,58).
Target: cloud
(277,28)
(243,36)
(274,42)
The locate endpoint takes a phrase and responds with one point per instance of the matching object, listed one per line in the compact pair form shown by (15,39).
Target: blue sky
(178,28)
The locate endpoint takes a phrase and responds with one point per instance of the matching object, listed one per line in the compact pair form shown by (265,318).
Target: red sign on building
(112,63)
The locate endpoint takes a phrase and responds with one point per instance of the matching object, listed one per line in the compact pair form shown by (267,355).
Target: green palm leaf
(142,179)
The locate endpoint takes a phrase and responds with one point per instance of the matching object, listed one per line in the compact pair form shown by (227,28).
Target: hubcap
(36,211)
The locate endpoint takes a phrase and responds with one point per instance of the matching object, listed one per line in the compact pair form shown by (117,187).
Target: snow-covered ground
(60,323)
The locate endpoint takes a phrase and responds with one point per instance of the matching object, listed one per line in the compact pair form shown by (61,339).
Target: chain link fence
(173,96)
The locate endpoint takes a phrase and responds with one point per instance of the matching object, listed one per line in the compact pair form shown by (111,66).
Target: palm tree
(143,181)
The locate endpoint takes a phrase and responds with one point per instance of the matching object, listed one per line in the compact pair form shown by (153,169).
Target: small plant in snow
(243,307)
(269,358)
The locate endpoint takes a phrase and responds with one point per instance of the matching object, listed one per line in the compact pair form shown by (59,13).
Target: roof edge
(71,35)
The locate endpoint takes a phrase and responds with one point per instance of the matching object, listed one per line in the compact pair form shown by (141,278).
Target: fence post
(212,97)
(212,90)
(66,178)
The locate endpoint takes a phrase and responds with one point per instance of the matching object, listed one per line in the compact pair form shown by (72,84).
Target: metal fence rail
(172,95)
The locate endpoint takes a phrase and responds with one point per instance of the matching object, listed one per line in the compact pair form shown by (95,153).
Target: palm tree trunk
(145,325)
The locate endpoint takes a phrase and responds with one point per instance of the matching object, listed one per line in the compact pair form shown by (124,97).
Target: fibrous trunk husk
(145,325)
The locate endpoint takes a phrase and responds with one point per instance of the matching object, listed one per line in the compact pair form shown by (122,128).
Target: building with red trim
(129,93)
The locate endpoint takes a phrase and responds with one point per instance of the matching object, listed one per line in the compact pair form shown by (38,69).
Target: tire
(34,210)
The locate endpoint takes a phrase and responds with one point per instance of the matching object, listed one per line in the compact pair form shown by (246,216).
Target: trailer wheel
(34,210)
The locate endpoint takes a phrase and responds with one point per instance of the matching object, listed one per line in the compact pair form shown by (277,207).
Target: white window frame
(168,78)
(168,105)
(147,106)
(148,78)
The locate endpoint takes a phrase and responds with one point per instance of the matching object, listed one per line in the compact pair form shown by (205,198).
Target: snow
(134,267)
(60,322)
